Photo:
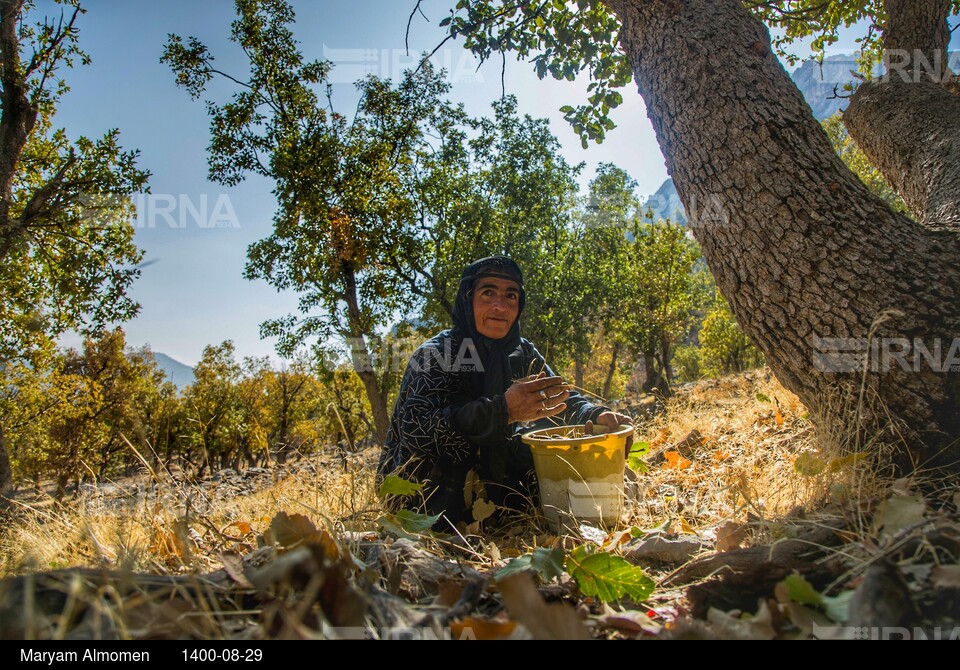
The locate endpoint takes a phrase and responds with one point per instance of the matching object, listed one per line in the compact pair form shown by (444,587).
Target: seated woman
(468,394)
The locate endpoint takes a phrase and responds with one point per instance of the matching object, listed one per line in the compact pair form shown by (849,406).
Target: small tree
(107,412)
(724,347)
(660,285)
(214,411)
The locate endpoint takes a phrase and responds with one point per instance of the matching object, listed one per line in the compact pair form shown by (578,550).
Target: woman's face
(496,305)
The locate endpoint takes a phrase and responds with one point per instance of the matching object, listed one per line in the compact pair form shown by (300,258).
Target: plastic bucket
(580,474)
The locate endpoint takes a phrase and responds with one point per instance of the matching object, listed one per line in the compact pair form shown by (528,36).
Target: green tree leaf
(801,591)
(398,486)
(809,464)
(407,524)
(548,563)
(638,451)
(606,576)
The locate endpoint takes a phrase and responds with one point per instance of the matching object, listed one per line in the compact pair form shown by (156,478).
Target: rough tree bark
(19,115)
(908,121)
(6,472)
(916,38)
(802,250)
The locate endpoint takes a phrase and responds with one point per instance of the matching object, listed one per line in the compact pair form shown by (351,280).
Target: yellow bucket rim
(533,439)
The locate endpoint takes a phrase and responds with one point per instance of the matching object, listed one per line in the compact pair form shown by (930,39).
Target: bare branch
(406,38)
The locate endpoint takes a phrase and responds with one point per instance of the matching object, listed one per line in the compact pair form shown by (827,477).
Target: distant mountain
(817,82)
(665,204)
(181,375)
(820,83)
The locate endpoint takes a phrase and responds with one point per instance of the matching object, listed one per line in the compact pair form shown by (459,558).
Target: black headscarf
(494,355)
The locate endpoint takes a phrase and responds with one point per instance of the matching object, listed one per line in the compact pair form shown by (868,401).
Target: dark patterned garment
(444,425)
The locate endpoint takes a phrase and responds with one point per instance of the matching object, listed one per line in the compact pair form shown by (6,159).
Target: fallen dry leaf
(946,577)
(616,538)
(897,513)
(470,488)
(449,592)
(631,621)
(241,526)
(592,534)
(758,627)
(233,566)
(288,530)
(493,552)
(553,621)
(730,535)
(676,461)
(473,628)
(483,510)
(805,618)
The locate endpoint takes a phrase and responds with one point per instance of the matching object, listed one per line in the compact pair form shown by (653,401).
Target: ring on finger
(543,394)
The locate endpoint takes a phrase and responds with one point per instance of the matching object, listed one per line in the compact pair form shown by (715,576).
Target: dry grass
(160,524)
(740,449)
(743,470)
(740,438)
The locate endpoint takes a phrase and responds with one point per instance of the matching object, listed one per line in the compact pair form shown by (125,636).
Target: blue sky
(196,232)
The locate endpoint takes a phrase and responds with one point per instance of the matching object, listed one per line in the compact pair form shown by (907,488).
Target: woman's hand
(614,421)
(535,398)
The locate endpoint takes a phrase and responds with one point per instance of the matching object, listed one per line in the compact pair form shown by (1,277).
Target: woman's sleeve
(579,409)
(484,421)
(436,420)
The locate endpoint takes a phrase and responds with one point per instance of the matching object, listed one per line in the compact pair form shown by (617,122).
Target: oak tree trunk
(611,371)
(807,257)
(362,362)
(908,120)
(19,116)
(578,370)
(6,471)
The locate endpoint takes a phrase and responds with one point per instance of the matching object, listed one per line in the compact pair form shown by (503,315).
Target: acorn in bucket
(580,470)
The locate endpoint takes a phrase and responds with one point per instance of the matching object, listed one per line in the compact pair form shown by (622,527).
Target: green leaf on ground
(638,452)
(606,576)
(398,486)
(407,524)
(799,590)
(548,563)
(838,464)
(809,464)
(763,397)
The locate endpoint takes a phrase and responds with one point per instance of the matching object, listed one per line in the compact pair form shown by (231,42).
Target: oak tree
(836,289)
